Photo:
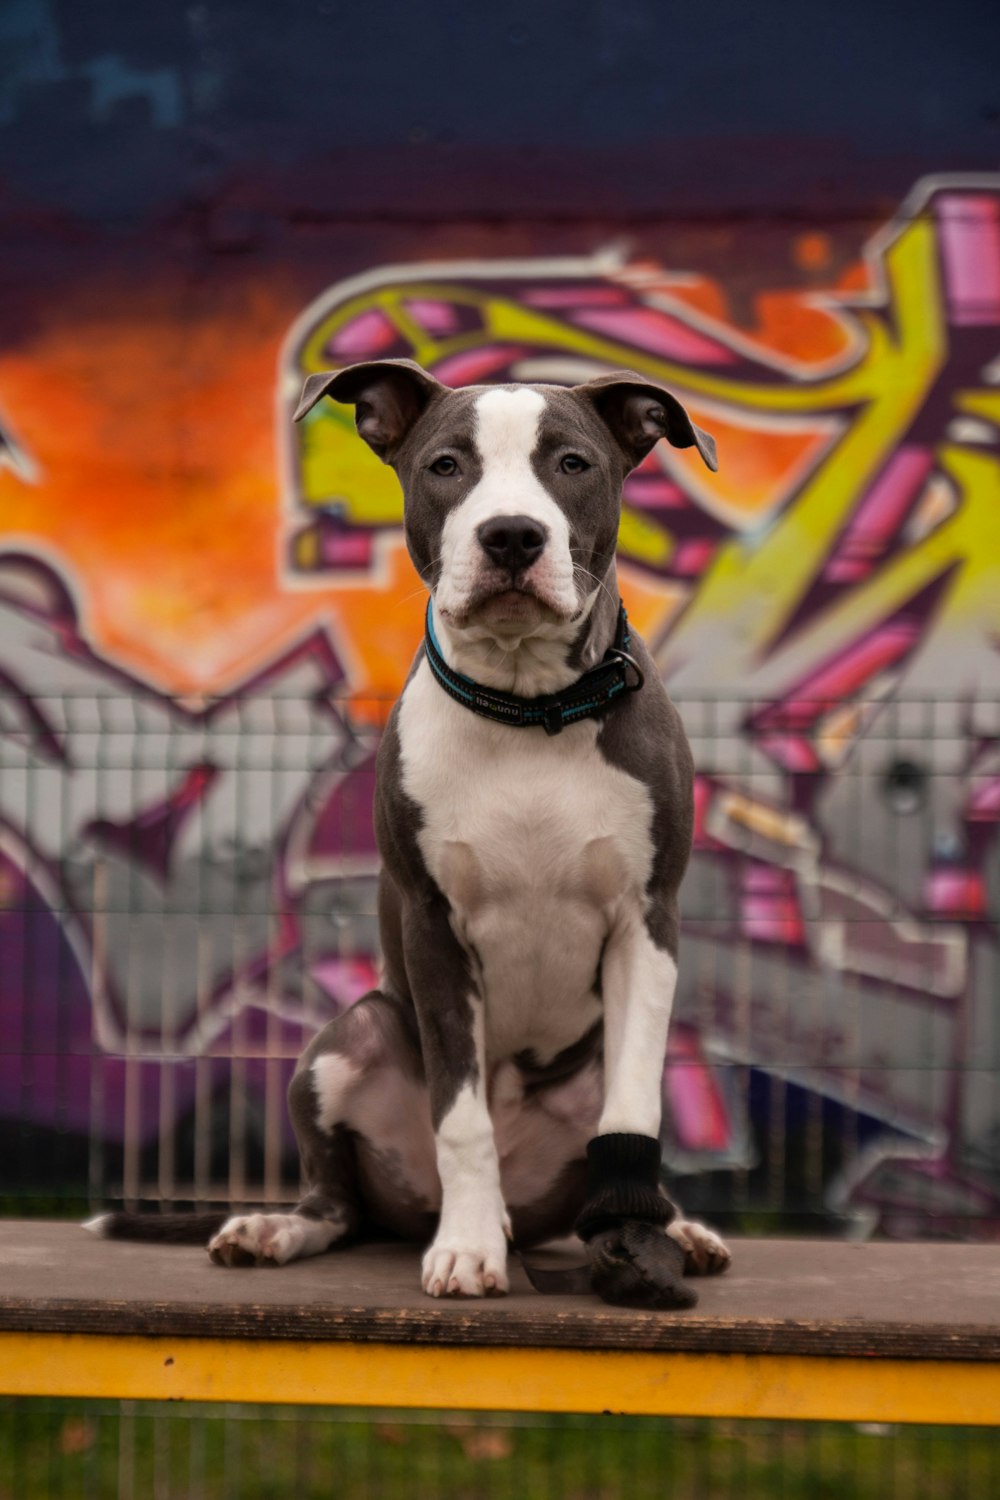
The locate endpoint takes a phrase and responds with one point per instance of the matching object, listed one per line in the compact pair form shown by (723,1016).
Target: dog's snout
(513,542)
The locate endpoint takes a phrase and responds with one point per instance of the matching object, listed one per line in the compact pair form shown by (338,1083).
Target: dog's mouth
(505,609)
(514,604)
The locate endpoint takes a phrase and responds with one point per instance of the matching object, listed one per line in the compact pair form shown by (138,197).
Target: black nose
(513,542)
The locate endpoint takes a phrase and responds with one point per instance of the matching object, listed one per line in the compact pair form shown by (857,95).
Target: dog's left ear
(388,396)
(639,413)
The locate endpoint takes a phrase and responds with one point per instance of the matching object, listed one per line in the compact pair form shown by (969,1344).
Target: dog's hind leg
(362,1052)
(271,1239)
(705,1252)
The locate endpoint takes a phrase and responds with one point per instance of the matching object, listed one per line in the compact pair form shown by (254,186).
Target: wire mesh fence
(189,892)
(54,1449)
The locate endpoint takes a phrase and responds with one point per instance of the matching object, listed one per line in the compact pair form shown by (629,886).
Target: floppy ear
(639,413)
(388,396)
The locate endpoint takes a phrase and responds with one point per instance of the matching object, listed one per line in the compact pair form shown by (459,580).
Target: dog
(533,813)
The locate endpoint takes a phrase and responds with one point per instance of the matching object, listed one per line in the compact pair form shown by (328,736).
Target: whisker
(397,603)
(586,573)
(423,573)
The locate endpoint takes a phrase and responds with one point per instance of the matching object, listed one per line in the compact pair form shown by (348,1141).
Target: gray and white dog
(534,813)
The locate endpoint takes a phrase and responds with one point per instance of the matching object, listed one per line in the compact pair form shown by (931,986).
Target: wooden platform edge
(640,1382)
(485,1327)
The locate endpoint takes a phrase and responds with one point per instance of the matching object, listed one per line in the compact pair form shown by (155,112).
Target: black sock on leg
(633,1262)
(623,1182)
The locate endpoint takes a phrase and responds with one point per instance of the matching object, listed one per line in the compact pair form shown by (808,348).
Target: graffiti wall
(205,613)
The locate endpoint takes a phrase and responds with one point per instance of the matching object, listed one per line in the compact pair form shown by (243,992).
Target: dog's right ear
(388,396)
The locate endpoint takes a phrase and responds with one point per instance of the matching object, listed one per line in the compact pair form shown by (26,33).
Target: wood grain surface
(912,1301)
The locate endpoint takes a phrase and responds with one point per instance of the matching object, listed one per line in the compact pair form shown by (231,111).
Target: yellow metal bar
(542,1380)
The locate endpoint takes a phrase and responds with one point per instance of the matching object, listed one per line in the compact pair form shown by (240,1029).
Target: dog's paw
(257,1240)
(633,1264)
(705,1254)
(451,1269)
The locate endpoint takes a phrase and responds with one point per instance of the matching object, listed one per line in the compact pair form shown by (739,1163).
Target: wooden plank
(794,1298)
(639,1382)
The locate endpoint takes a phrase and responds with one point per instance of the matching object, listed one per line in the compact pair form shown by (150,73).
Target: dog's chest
(540,846)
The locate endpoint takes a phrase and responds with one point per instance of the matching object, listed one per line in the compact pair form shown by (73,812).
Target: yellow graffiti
(759,577)
(337,476)
(759,583)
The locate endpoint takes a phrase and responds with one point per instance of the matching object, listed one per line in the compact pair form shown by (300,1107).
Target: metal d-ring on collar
(587,697)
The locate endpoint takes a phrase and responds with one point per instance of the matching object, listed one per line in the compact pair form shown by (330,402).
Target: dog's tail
(159,1229)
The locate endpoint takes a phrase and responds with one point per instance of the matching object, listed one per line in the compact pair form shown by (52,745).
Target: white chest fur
(540,847)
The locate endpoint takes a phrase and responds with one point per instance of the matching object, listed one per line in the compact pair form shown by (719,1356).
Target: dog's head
(512,494)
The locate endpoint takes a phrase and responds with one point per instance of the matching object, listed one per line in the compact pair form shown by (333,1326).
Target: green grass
(168,1452)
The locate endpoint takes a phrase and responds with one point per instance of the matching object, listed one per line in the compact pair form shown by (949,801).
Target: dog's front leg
(638,981)
(625,1211)
(468,1257)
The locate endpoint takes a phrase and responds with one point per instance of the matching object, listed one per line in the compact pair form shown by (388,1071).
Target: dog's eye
(444,465)
(572,463)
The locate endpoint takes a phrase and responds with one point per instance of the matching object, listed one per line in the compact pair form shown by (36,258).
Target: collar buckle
(623,660)
(552,719)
